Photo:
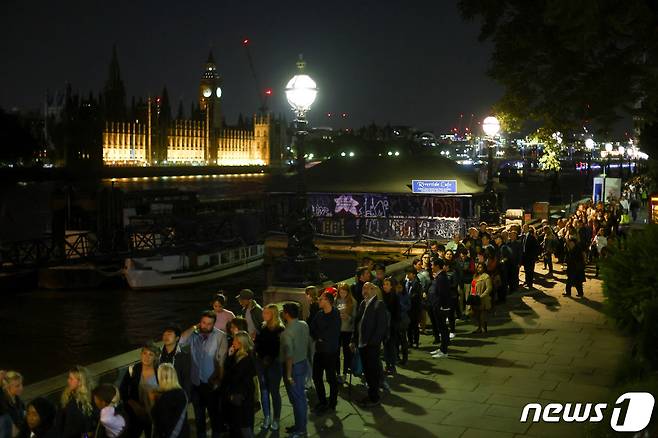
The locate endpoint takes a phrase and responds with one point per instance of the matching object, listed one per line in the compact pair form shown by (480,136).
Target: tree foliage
(629,284)
(564,63)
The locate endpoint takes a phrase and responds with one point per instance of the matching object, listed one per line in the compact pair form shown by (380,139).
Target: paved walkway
(541,347)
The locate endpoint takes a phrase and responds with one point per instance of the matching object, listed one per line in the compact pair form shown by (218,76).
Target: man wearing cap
(178,356)
(251,311)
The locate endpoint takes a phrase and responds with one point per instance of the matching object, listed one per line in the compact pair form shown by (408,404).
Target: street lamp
(589,145)
(491,127)
(301,266)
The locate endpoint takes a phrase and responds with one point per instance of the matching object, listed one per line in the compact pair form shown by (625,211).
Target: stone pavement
(541,348)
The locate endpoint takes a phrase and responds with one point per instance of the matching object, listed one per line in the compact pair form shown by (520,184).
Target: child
(112,417)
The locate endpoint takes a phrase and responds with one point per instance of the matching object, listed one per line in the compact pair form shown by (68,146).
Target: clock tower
(210,92)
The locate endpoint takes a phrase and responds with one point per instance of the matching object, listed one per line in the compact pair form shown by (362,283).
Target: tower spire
(114,92)
(211,59)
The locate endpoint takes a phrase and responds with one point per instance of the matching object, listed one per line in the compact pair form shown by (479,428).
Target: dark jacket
(129,388)
(415,291)
(393,307)
(47,413)
(15,410)
(357,291)
(238,392)
(166,414)
(517,251)
(182,361)
(373,324)
(575,260)
(439,295)
(267,345)
(530,249)
(73,422)
(325,331)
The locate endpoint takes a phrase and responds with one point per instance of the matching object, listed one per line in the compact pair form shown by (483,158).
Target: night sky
(413,63)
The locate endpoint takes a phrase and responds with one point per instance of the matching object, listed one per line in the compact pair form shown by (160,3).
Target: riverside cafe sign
(434,186)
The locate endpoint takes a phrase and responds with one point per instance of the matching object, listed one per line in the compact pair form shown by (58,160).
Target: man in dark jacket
(441,300)
(370,330)
(363,275)
(325,331)
(178,356)
(516,250)
(529,256)
(251,311)
(413,287)
(575,258)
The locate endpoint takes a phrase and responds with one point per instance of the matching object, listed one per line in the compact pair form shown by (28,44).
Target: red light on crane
(268,92)
(245,41)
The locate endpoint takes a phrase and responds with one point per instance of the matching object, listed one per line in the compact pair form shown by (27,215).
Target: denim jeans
(5,426)
(269,377)
(297,395)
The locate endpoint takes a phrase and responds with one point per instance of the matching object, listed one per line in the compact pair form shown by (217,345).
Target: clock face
(207,92)
(218,92)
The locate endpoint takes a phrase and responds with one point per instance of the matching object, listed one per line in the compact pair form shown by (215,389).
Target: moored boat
(190,267)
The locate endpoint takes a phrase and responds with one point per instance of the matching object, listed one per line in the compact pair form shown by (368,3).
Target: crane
(263,95)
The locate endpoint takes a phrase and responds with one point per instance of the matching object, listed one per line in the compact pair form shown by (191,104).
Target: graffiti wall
(385,217)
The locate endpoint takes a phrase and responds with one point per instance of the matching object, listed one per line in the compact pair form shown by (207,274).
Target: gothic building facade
(154,138)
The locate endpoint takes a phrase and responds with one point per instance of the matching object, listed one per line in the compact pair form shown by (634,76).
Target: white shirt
(113,424)
(368,301)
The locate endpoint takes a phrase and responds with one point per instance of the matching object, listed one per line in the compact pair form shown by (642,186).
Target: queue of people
(228,367)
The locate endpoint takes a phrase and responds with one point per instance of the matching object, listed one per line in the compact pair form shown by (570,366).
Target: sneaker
(266,423)
(320,408)
(440,355)
(275,425)
(452,335)
(438,350)
(385,386)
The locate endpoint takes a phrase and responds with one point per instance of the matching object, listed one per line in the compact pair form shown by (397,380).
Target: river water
(45,332)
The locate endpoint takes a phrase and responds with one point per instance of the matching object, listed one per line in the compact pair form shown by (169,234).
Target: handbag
(473,300)
(357,365)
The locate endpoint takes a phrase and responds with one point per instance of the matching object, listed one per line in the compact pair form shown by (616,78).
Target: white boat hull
(171,272)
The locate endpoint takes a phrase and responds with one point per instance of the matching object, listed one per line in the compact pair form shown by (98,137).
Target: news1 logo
(631,413)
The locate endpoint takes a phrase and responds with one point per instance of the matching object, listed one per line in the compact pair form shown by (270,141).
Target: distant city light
(342,154)
(397,153)
(351,154)
(390,153)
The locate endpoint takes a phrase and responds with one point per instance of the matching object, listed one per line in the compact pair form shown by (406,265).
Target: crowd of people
(231,366)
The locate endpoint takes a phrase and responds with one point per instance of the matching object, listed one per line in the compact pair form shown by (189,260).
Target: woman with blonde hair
(12,408)
(266,349)
(239,387)
(346,305)
(169,412)
(75,417)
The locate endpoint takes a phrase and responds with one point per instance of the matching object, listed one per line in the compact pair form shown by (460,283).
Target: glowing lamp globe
(491,126)
(589,144)
(621,150)
(301,92)
(608,147)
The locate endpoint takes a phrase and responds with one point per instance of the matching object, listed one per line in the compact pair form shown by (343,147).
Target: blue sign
(436,186)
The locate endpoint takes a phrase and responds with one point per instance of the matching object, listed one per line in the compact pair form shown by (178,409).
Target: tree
(564,64)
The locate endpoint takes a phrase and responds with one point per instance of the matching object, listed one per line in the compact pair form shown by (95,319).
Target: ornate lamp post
(621,151)
(301,265)
(491,127)
(608,151)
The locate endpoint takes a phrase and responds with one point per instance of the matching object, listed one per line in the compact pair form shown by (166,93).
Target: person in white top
(112,420)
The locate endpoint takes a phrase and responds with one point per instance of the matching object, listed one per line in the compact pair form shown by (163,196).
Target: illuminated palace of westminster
(154,141)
